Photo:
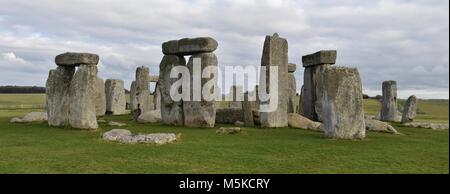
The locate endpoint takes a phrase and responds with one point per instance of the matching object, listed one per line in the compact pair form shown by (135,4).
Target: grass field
(37,148)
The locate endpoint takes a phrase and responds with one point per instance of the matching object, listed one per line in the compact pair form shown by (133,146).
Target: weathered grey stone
(153,78)
(116,135)
(133,97)
(247,111)
(57,95)
(292,67)
(229,115)
(171,111)
(256,117)
(76,59)
(379,126)
(188,46)
(409,111)
(255,95)
(275,54)
(239,123)
(300,102)
(433,126)
(157,98)
(298,121)
(153,116)
(320,58)
(200,113)
(30,117)
(142,88)
(342,103)
(389,102)
(100,98)
(292,93)
(235,97)
(82,114)
(115,97)
(228,130)
(118,124)
(153,138)
(311,92)
(16,120)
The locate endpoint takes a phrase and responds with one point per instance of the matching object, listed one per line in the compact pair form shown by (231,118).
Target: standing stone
(389,101)
(235,96)
(115,97)
(57,95)
(300,102)
(100,100)
(171,111)
(275,54)
(133,97)
(142,88)
(314,65)
(82,97)
(200,113)
(157,98)
(248,113)
(292,88)
(255,101)
(409,111)
(342,103)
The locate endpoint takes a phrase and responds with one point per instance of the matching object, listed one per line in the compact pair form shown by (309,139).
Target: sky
(402,40)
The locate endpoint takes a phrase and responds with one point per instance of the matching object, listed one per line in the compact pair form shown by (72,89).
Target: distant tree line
(22,89)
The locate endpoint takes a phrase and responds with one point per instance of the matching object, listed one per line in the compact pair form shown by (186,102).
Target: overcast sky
(403,40)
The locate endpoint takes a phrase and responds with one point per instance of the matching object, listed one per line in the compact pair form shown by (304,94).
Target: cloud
(404,40)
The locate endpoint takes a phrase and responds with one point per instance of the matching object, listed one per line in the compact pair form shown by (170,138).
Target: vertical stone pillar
(100,100)
(342,103)
(275,54)
(115,97)
(254,98)
(57,95)
(133,97)
(389,101)
(248,111)
(142,88)
(314,65)
(171,110)
(300,101)
(409,110)
(200,113)
(292,88)
(235,97)
(157,98)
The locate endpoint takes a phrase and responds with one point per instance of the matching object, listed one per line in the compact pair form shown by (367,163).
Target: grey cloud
(406,40)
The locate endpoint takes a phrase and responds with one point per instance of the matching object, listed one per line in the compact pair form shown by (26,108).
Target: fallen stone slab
(433,126)
(188,46)
(228,130)
(301,122)
(75,59)
(320,58)
(379,126)
(114,123)
(30,117)
(126,137)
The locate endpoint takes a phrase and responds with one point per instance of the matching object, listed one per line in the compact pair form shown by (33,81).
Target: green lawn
(37,148)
